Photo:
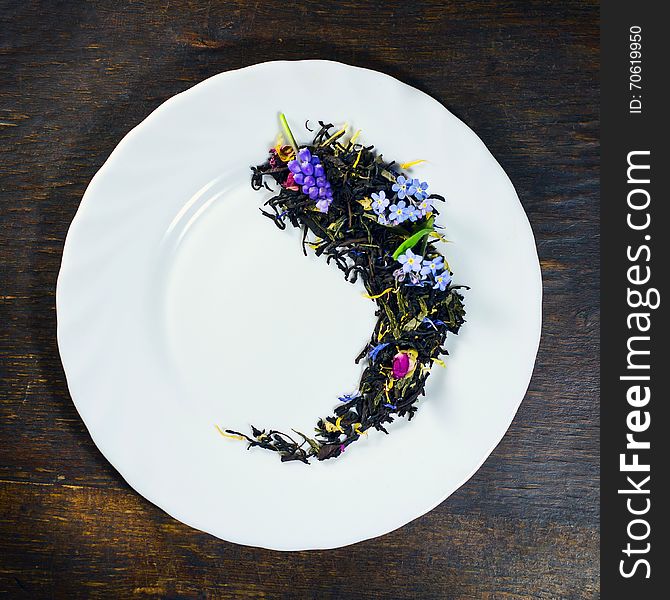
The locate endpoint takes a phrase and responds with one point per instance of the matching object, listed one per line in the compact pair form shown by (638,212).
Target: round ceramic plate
(180,307)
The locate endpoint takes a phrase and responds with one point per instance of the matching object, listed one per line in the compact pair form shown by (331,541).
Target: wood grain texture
(75,77)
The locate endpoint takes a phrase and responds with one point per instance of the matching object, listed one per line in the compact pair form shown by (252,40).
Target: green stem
(288,132)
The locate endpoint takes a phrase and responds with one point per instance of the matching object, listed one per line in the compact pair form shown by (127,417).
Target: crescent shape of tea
(377,224)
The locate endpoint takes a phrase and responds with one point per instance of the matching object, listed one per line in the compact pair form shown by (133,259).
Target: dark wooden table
(76,76)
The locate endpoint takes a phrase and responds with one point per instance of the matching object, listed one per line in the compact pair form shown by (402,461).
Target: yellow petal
(228,435)
(439,236)
(386,291)
(284,152)
(409,165)
(357,159)
(358,430)
(329,426)
(366,203)
(338,133)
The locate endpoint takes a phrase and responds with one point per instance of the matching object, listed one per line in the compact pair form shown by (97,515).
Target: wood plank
(85,542)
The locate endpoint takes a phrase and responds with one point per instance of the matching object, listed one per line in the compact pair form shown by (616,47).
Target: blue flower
(410,261)
(349,397)
(398,212)
(372,355)
(433,322)
(432,266)
(442,280)
(413,213)
(403,187)
(383,220)
(380,202)
(420,189)
(425,206)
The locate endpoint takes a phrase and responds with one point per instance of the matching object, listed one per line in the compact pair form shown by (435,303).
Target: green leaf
(412,324)
(414,239)
(313,444)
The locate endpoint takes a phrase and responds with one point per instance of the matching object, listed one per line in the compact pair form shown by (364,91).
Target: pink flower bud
(403,364)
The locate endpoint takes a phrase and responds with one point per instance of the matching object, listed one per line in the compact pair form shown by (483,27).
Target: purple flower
(311,190)
(398,212)
(294,166)
(415,280)
(442,280)
(403,187)
(420,189)
(383,220)
(379,202)
(432,266)
(372,355)
(323,204)
(399,275)
(309,173)
(410,261)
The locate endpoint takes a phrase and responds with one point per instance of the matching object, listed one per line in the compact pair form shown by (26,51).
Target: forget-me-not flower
(442,280)
(413,213)
(379,201)
(432,266)
(425,206)
(398,212)
(403,187)
(420,189)
(410,261)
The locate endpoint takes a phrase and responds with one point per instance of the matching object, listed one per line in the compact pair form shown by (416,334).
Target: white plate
(180,307)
